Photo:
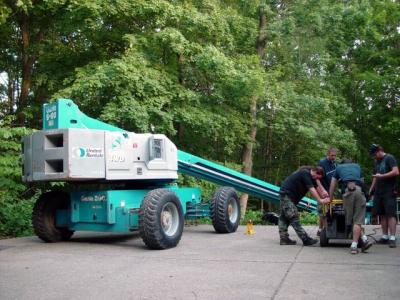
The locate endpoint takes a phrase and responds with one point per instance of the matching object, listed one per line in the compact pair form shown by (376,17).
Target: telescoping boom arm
(66,114)
(207,170)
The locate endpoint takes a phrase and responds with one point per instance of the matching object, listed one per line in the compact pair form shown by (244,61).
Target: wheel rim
(233,212)
(169,219)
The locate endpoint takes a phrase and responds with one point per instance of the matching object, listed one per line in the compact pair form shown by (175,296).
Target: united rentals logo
(80,152)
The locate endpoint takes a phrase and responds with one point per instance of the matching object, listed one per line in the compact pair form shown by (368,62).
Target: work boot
(287,241)
(392,243)
(365,245)
(310,241)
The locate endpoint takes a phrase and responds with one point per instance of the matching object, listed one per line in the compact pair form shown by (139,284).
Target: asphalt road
(205,265)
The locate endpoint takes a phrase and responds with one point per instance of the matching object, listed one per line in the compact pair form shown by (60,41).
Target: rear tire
(323,240)
(225,210)
(44,217)
(161,219)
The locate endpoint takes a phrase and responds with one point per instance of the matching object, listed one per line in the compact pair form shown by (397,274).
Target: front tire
(44,217)
(161,219)
(225,210)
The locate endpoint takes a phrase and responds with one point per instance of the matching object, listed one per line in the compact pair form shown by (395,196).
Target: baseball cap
(373,149)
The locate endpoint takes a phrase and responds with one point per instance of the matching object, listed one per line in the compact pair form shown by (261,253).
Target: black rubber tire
(150,223)
(44,217)
(219,210)
(323,240)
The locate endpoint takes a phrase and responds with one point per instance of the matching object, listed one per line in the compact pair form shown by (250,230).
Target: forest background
(259,86)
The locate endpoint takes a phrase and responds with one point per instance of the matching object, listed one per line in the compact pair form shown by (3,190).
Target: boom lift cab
(85,154)
(120,181)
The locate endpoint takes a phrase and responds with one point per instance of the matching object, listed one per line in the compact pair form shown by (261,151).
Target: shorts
(385,205)
(355,206)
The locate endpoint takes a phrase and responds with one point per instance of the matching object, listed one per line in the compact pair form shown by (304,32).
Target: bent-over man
(293,189)
(348,174)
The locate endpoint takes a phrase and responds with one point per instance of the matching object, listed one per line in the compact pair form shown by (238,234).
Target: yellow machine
(336,223)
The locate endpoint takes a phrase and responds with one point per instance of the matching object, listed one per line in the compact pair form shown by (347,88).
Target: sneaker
(287,241)
(365,246)
(310,242)
(392,243)
(353,250)
(383,241)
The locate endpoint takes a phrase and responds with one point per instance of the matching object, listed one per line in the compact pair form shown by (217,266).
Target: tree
(365,51)
(247,155)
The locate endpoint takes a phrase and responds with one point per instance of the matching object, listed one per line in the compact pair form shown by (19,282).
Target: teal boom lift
(120,181)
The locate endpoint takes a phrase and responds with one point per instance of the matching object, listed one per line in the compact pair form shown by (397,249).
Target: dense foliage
(16,200)
(285,79)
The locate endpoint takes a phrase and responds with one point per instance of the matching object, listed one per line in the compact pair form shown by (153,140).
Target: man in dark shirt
(293,189)
(329,165)
(348,175)
(384,189)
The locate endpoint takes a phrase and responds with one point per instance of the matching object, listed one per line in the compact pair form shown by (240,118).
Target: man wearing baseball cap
(384,189)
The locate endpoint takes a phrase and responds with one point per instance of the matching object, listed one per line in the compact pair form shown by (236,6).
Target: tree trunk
(10,94)
(247,157)
(28,57)
(27,64)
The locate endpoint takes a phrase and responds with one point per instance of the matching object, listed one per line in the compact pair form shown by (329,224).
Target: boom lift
(122,181)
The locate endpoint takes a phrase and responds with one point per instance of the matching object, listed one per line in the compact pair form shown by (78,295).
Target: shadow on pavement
(104,238)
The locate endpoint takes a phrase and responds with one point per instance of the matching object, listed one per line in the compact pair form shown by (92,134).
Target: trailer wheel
(225,210)
(44,217)
(161,219)
(323,240)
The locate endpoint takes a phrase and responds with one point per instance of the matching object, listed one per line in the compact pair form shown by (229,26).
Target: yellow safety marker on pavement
(250,227)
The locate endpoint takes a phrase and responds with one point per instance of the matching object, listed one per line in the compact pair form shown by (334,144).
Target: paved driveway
(205,265)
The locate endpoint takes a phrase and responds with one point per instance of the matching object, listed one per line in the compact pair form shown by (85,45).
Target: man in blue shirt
(348,176)
(329,165)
